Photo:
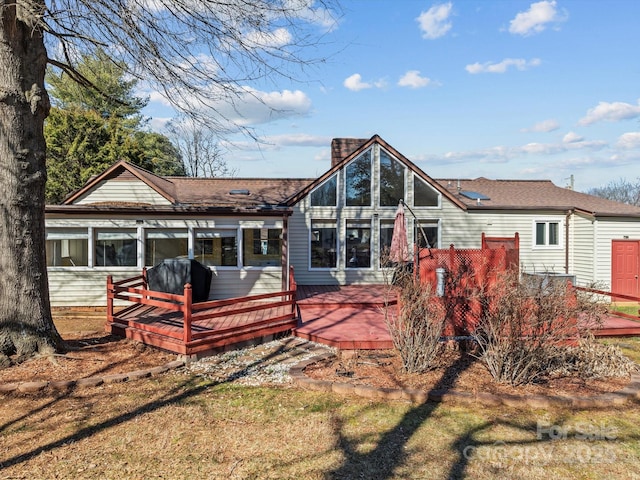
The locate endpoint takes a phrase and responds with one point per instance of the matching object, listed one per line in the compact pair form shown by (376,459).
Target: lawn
(179,426)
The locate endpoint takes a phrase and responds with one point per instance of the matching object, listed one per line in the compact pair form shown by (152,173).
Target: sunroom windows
(217,247)
(67,247)
(115,247)
(262,247)
(161,244)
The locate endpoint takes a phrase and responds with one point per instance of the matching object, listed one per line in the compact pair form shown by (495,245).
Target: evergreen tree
(94,125)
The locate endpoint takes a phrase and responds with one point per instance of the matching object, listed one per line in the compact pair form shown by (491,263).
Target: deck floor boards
(346,317)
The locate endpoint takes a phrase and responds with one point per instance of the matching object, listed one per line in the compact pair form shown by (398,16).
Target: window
(358,251)
(164,243)
(324,243)
(423,194)
(67,247)
(430,229)
(391,180)
(386,234)
(325,194)
(358,181)
(262,247)
(217,247)
(547,234)
(116,247)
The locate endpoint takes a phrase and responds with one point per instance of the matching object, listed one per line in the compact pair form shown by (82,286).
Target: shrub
(416,325)
(526,326)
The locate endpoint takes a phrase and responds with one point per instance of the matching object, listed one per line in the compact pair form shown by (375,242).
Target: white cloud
(277,38)
(572,137)
(629,140)
(412,79)
(501,67)
(355,83)
(536,19)
(298,140)
(434,23)
(610,112)
(544,126)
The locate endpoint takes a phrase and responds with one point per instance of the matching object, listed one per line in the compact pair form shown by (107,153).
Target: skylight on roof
(239,191)
(474,195)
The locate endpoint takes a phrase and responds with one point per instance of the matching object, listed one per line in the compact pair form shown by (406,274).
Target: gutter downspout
(566,240)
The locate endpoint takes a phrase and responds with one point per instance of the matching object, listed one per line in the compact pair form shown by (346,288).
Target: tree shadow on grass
(190,388)
(390,451)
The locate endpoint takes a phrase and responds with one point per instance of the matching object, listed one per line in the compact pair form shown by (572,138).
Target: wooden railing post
(187,310)
(109,298)
(293,287)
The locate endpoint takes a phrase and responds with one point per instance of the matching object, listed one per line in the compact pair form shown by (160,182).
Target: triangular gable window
(423,194)
(325,195)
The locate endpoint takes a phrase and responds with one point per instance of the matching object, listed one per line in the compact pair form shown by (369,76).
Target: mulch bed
(457,371)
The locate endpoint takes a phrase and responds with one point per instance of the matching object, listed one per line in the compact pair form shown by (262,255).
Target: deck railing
(615,296)
(135,290)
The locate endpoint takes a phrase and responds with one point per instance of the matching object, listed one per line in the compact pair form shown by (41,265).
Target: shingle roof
(532,194)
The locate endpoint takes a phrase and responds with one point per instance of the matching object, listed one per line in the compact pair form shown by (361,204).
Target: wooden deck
(172,322)
(348,317)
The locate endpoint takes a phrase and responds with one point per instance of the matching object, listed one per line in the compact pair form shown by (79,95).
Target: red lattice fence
(467,271)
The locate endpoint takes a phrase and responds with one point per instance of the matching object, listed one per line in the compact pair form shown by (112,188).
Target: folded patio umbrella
(399,250)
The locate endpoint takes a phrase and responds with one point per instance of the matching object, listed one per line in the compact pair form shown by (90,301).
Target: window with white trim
(358,181)
(323,244)
(547,234)
(116,247)
(217,247)
(262,247)
(358,251)
(162,243)
(326,194)
(67,247)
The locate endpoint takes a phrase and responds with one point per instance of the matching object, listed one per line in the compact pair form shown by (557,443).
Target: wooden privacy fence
(465,271)
(189,327)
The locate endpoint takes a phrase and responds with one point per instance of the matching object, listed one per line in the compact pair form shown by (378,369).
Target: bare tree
(201,55)
(199,149)
(621,190)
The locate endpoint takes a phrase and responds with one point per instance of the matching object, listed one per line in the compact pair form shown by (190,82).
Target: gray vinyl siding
(582,252)
(134,191)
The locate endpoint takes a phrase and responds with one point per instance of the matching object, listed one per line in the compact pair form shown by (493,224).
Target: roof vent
(474,195)
(239,191)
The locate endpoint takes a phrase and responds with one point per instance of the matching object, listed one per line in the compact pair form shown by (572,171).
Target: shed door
(625,266)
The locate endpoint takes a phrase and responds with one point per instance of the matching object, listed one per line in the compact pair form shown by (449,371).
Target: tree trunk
(26,326)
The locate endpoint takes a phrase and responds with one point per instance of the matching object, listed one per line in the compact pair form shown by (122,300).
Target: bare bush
(590,359)
(526,326)
(417,324)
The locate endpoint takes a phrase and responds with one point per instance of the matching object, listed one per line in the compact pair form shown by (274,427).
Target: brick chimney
(343,147)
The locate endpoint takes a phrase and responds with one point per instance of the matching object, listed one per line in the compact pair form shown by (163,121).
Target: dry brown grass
(179,426)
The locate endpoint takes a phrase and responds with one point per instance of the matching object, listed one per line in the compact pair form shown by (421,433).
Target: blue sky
(500,89)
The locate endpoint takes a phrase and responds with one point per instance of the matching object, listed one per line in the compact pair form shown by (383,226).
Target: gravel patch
(265,364)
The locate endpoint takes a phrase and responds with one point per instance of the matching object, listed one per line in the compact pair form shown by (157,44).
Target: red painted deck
(348,317)
(614,326)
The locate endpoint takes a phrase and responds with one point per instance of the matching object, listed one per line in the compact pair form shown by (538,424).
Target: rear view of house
(333,230)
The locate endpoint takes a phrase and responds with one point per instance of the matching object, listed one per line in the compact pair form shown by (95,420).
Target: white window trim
(404,179)
(372,232)
(547,221)
(415,177)
(231,228)
(371,180)
(324,269)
